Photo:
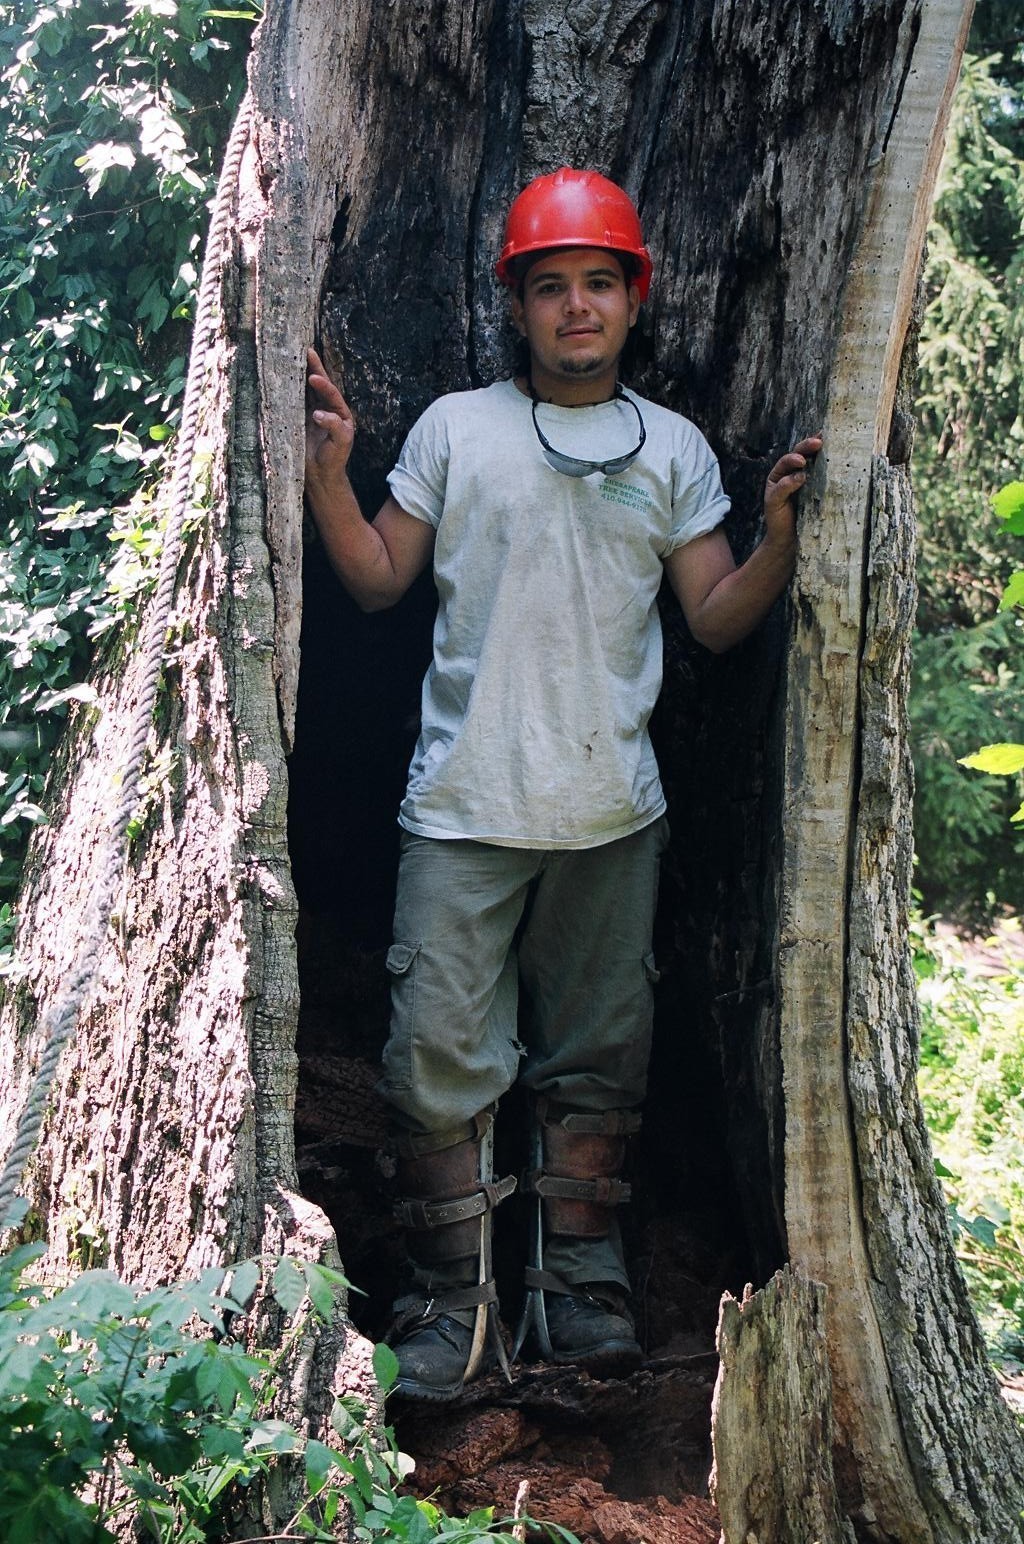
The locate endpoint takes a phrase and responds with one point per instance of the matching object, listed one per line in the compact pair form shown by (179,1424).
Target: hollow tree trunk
(782,157)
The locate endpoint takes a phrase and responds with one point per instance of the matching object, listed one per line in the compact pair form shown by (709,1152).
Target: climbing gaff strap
(484,1325)
(446,1213)
(533,1315)
(60,1023)
(575,1161)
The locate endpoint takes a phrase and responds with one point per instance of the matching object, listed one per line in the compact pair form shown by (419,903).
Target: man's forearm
(743,598)
(356,550)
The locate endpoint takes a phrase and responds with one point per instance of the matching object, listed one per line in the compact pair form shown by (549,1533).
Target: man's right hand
(376,563)
(330,427)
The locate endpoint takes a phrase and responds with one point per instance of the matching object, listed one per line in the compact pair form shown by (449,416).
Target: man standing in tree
(552,506)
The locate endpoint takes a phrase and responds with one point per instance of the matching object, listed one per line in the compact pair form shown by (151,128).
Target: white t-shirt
(547,646)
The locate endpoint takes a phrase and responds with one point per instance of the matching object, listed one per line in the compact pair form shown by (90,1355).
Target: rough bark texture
(916,1289)
(772,1419)
(781,156)
(170,1143)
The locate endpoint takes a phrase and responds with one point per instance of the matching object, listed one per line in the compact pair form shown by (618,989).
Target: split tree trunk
(782,157)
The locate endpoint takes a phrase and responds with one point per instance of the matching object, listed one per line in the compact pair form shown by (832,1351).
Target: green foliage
(972,1076)
(967,688)
(113,1401)
(1004,760)
(970,442)
(971,385)
(111,121)
(1008,504)
(966,692)
(103,1387)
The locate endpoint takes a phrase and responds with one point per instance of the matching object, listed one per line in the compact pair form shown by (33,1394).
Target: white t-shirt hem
(539,843)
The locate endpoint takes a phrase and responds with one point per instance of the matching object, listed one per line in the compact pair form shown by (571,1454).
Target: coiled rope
(60,1022)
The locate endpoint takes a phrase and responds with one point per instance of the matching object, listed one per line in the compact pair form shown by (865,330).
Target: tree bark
(782,157)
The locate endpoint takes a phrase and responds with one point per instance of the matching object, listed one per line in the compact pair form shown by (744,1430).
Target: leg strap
(448,1186)
(450,1193)
(415,1144)
(581,1153)
(417,1308)
(419,1215)
(608,1293)
(577,1158)
(608,1123)
(604,1191)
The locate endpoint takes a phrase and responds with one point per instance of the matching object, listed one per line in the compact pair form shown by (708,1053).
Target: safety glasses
(577,466)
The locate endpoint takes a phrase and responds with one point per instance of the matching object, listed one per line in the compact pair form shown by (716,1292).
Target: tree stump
(772,1423)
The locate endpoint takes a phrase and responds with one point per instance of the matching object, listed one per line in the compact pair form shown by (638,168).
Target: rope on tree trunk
(60,1022)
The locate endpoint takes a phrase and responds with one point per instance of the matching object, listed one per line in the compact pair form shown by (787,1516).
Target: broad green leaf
(324,1287)
(273,1437)
(242,1283)
(1013,594)
(1008,504)
(96,1295)
(289,1284)
(170,1449)
(81,691)
(1004,759)
(319,1462)
(219,1442)
(385,1365)
(983,1229)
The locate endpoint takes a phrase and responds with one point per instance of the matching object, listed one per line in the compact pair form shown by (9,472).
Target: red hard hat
(574,209)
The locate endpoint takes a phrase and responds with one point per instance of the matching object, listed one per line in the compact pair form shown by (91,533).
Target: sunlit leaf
(1003,759)
(1013,594)
(289,1284)
(385,1365)
(1008,504)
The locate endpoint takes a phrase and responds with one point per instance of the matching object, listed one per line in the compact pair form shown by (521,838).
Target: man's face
(575,312)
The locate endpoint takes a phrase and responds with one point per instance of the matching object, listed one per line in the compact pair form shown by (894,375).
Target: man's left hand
(785,480)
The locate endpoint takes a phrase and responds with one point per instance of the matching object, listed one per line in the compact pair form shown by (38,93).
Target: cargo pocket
(401,963)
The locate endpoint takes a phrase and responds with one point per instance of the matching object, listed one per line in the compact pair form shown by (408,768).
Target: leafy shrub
(970,388)
(970,441)
(971,1079)
(111,1404)
(966,692)
(111,121)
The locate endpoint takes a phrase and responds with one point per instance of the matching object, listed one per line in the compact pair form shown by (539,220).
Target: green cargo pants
(511,963)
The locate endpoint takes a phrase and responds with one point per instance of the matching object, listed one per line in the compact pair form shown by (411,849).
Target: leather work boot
(445,1332)
(433,1349)
(592,1332)
(578,1157)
